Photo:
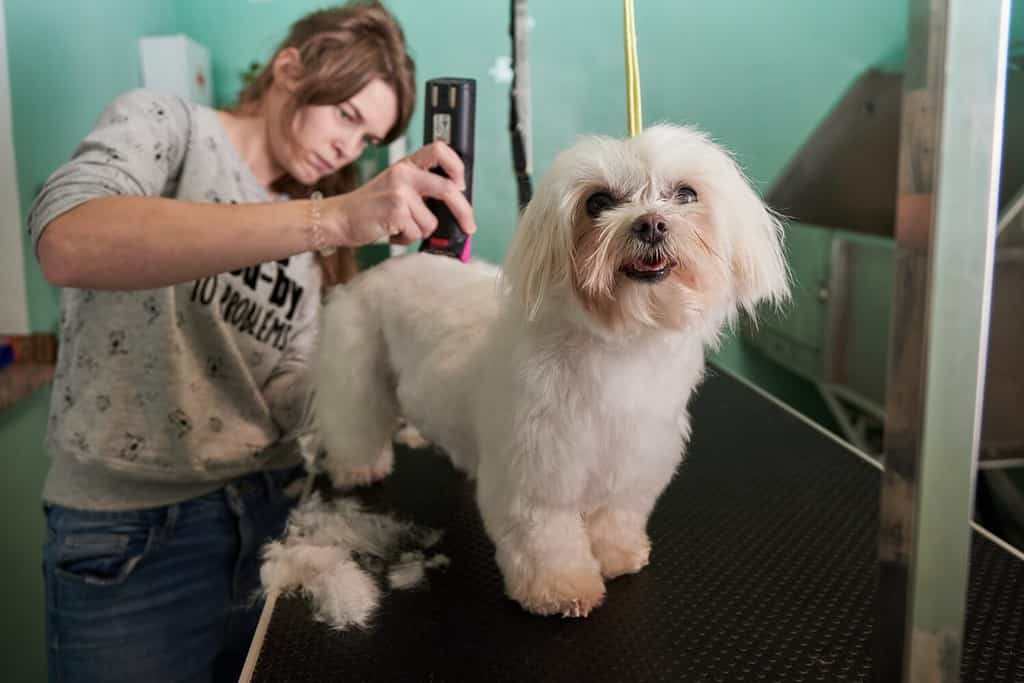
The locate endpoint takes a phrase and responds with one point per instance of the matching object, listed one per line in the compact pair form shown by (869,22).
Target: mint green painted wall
(67,60)
(21,631)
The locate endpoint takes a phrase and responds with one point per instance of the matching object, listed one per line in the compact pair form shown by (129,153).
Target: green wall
(68,59)
(21,630)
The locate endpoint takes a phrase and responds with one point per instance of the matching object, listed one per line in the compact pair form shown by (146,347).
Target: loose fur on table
(560,383)
(334,552)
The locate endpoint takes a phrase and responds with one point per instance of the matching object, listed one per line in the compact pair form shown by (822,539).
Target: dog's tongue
(643,265)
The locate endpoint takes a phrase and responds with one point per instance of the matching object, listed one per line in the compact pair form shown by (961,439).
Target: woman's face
(329,137)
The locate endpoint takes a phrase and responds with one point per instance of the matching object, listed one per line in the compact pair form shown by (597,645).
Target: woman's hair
(342,49)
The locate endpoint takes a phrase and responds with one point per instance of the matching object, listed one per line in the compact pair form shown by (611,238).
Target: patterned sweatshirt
(164,394)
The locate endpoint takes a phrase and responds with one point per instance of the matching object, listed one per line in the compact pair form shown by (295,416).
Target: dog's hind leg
(356,408)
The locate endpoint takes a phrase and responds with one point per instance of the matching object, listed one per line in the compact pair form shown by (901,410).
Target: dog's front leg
(545,558)
(618,539)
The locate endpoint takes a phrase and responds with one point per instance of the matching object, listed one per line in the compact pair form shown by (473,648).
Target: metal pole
(951,137)
(520,122)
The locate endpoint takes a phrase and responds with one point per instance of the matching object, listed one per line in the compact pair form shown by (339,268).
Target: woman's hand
(392,204)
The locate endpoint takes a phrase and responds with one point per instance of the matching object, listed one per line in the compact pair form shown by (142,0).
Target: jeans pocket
(101,557)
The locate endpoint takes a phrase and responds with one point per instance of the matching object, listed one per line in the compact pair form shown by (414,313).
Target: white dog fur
(561,383)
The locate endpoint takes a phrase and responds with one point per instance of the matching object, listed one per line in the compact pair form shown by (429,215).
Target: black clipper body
(450,115)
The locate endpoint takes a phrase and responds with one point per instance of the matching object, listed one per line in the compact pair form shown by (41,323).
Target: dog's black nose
(650,228)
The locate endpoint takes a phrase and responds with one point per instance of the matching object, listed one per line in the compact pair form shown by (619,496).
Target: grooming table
(763,569)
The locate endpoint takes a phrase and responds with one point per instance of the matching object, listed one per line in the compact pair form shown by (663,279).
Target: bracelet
(318,238)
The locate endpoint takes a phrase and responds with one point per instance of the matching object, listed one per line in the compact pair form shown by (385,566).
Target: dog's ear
(538,259)
(758,263)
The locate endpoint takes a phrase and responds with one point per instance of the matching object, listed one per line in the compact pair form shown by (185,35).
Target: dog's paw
(618,558)
(568,595)
(618,541)
(411,437)
(345,476)
(360,476)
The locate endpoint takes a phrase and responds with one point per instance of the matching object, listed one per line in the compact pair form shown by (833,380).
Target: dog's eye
(686,194)
(598,203)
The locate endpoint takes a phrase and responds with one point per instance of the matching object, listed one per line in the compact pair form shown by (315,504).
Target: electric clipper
(450,116)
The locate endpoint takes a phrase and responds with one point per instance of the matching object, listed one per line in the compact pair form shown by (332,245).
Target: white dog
(561,383)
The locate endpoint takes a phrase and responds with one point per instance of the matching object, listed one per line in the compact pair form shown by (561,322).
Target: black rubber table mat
(763,569)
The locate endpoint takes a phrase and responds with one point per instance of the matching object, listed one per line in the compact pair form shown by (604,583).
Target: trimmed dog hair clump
(338,556)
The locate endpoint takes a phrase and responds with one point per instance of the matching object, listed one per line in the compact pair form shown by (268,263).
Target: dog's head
(661,230)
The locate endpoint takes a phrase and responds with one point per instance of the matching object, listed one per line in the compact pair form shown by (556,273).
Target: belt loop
(234,498)
(170,519)
(270,484)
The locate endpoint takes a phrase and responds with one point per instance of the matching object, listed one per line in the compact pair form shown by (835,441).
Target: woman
(187,242)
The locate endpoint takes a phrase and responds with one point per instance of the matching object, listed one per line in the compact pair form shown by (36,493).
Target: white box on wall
(177,65)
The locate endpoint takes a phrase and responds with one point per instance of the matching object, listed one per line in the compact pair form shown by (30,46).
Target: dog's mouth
(648,268)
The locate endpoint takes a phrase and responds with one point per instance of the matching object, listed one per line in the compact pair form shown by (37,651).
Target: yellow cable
(634,113)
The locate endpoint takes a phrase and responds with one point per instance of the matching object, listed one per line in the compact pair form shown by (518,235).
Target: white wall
(13,302)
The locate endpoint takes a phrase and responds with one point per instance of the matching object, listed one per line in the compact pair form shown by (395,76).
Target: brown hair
(342,49)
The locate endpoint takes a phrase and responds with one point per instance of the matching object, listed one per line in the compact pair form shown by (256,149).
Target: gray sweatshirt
(164,394)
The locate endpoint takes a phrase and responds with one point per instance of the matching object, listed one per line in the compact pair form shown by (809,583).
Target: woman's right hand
(392,204)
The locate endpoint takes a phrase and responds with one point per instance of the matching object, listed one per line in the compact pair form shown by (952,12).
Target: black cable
(523,183)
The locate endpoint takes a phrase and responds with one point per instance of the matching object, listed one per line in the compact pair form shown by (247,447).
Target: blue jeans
(162,594)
